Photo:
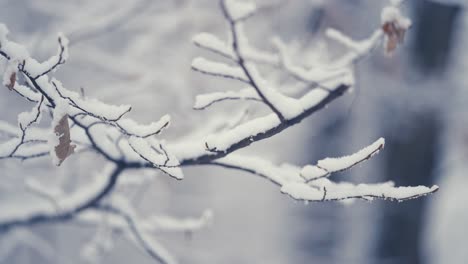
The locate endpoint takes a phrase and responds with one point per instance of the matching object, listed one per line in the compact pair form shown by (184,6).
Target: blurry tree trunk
(411,156)
(410,160)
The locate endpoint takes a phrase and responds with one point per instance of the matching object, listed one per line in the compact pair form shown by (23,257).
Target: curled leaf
(394,26)
(12,82)
(64,148)
(9,77)
(395,35)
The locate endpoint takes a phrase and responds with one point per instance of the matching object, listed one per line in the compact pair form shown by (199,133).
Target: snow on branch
(328,166)
(53,62)
(218,69)
(155,154)
(206,100)
(393,29)
(22,145)
(91,107)
(329,191)
(287,111)
(212,43)
(132,128)
(309,184)
(125,144)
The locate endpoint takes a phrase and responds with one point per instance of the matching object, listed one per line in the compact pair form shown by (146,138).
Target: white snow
(321,75)
(287,106)
(25,119)
(139,130)
(61,109)
(339,164)
(27,92)
(152,153)
(293,183)
(35,68)
(204,100)
(12,49)
(224,140)
(143,148)
(211,42)
(391,14)
(340,191)
(218,69)
(240,9)
(94,106)
(310,172)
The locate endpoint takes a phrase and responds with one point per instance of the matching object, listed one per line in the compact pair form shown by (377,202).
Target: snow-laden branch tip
(53,62)
(212,43)
(326,190)
(308,183)
(132,128)
(328,166)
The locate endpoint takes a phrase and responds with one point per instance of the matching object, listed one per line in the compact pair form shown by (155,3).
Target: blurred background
(139,52)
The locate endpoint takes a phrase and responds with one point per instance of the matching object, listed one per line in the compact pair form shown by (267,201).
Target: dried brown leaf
(64,149)
(12,82)
(395,35)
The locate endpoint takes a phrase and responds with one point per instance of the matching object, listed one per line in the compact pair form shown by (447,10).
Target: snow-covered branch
(309,183)
(80,123)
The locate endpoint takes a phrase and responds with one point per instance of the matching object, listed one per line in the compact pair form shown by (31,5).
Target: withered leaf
(64,149)
(12,82)
(395,35)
